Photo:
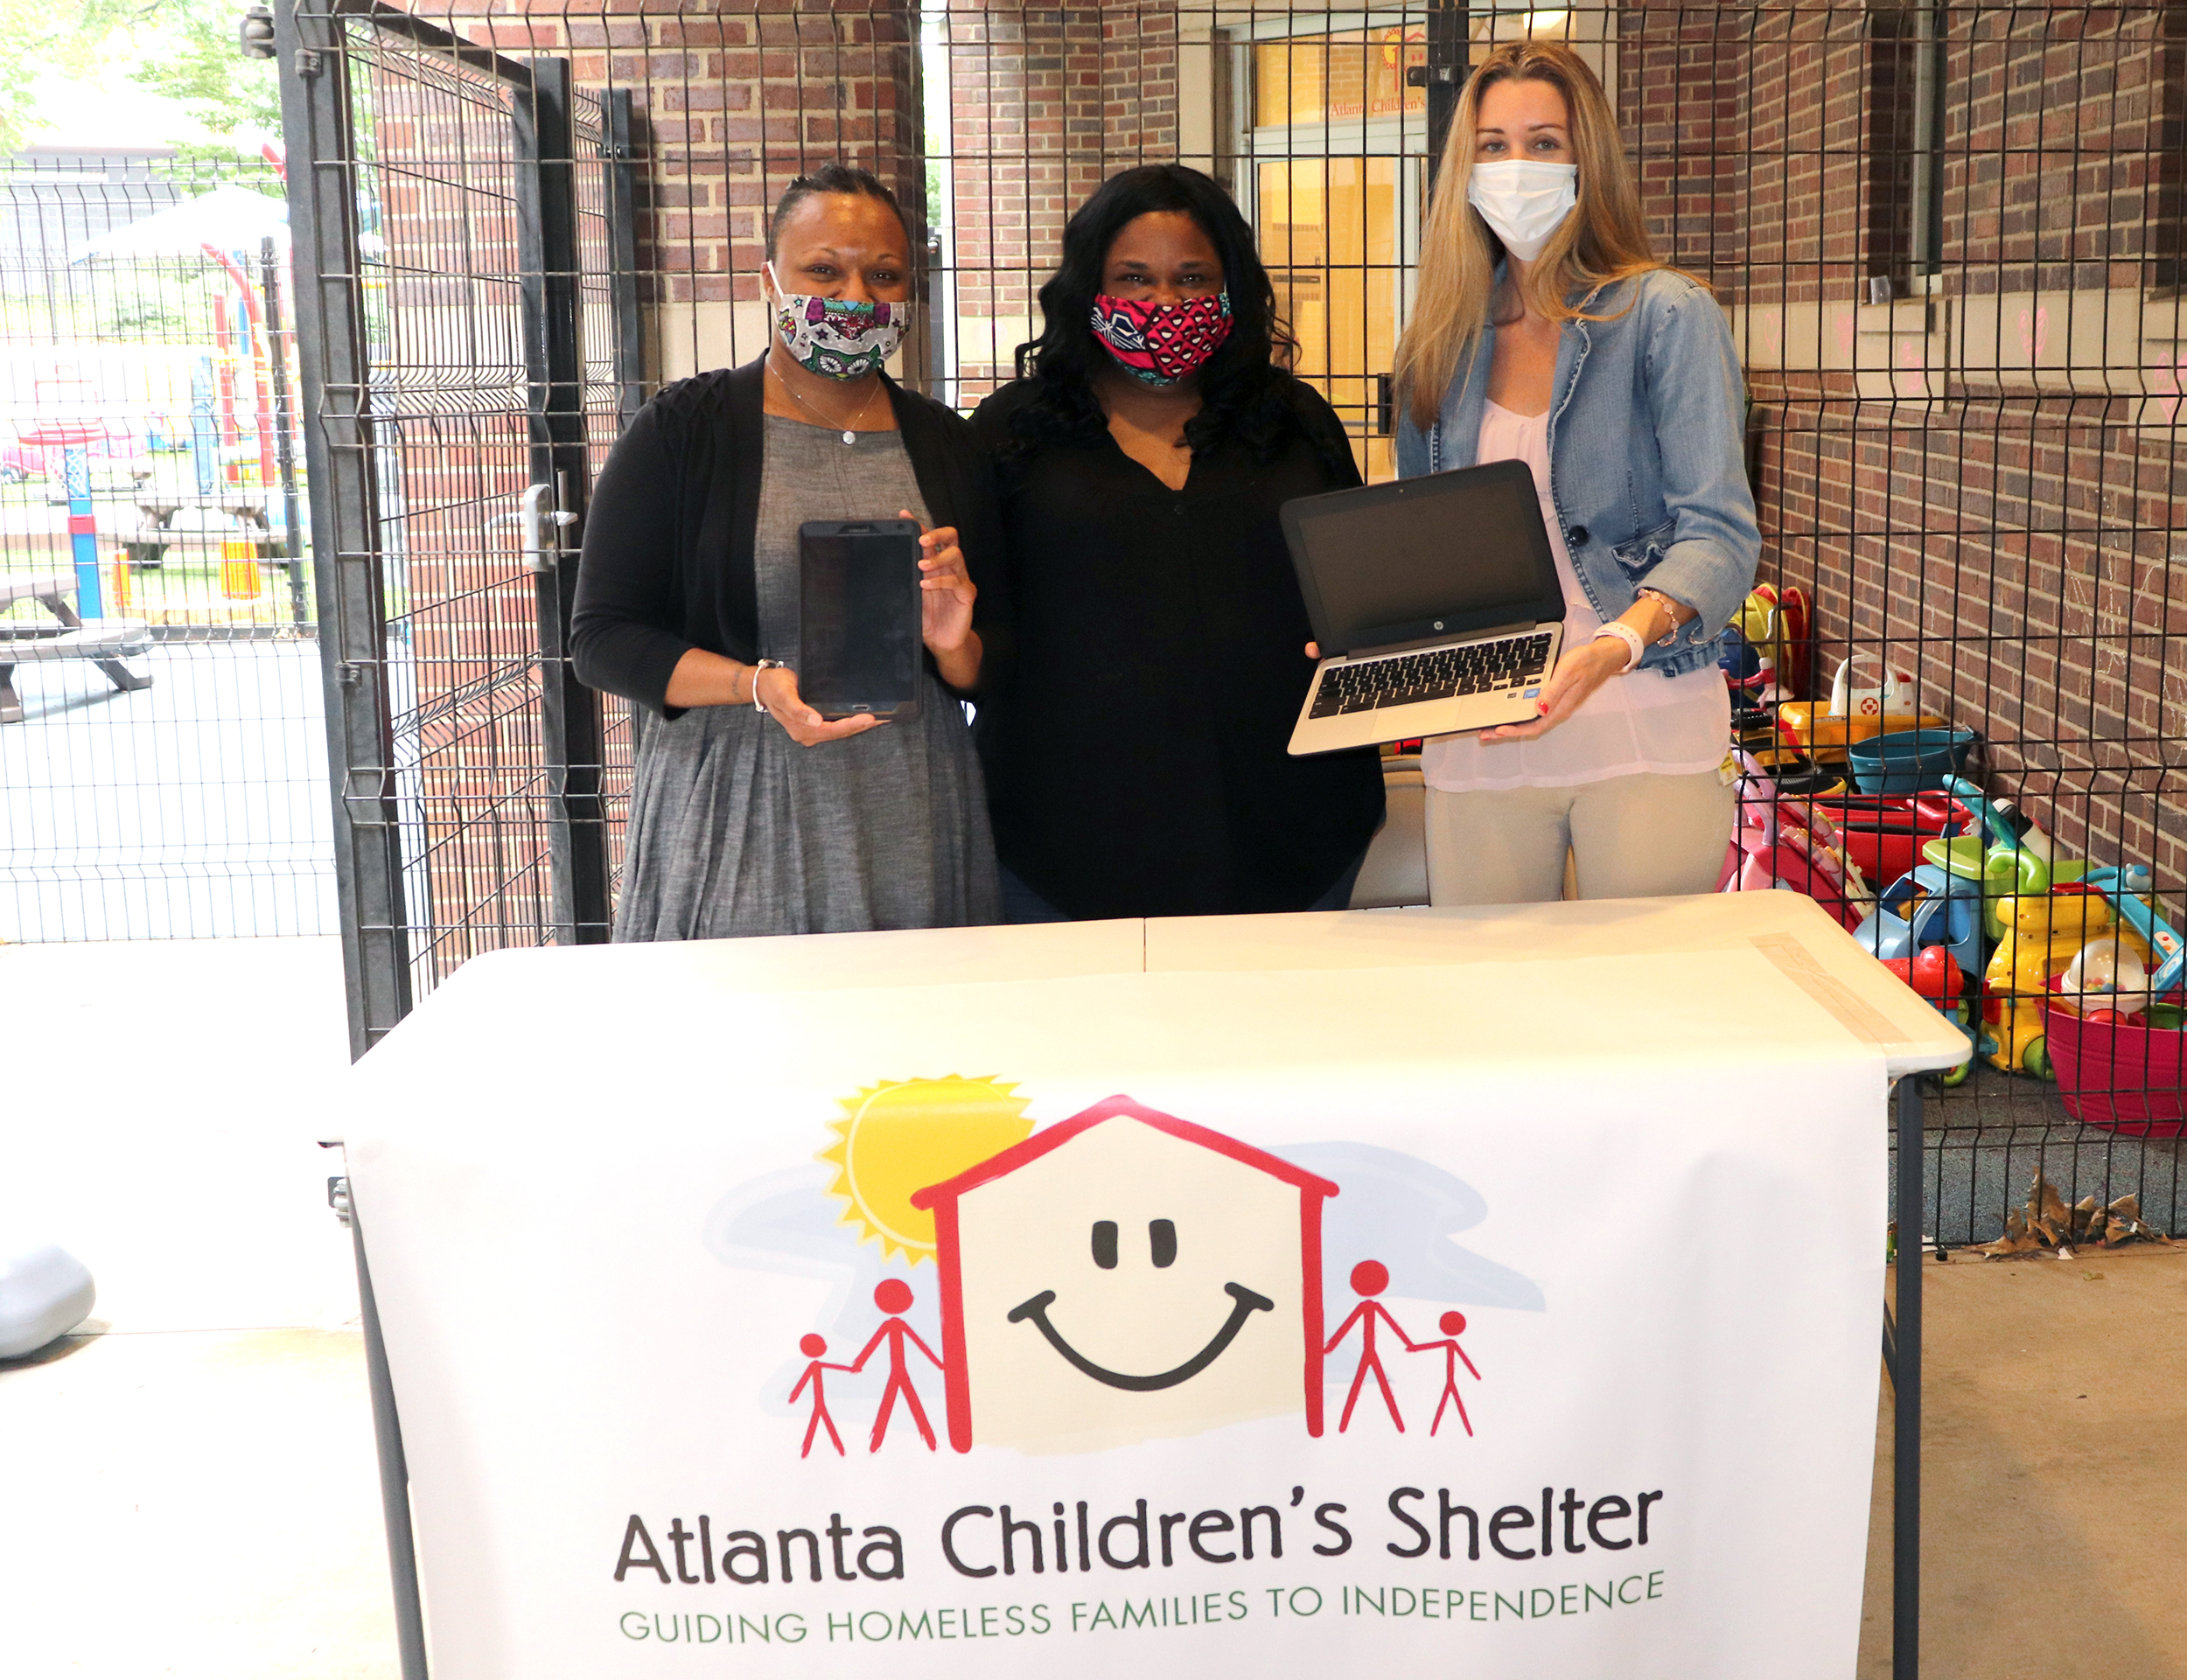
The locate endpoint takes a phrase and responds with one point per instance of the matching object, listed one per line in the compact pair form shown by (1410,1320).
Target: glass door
(1334,186)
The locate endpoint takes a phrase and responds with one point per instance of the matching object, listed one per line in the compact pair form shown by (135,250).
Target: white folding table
(519,1008)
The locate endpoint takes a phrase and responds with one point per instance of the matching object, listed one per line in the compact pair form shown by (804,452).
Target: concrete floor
(195,809)
(209,1439)
(189,1486)
(2054,1446)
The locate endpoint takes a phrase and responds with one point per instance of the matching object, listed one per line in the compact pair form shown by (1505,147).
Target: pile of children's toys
(2056,970)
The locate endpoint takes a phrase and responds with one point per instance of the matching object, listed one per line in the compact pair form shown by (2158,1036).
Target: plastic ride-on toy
(1783,842)
(2044,933)
(2006,863)
(1927,907)
(1933,975)
(1927,928)
(1883,833)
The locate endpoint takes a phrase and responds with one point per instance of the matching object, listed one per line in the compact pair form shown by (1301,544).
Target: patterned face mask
(837,337)
(1160,344)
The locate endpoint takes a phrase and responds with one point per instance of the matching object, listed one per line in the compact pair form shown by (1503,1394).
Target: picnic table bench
(156,509)
(29,641)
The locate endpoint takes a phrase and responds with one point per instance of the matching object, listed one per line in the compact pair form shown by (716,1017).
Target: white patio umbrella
(226,218)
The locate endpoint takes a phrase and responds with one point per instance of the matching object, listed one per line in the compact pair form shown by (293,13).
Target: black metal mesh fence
(438,183)
(161,765)
(1948,236)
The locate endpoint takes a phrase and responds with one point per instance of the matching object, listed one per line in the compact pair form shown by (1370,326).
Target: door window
(1334,186)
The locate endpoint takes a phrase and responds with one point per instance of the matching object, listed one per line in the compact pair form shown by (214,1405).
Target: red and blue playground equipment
(72,430)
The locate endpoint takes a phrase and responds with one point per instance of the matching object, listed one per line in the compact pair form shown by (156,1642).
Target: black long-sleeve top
(668,562)
(1136,750)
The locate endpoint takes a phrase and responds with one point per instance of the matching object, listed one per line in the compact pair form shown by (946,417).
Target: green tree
(200,68)
(183,49)
(43,38)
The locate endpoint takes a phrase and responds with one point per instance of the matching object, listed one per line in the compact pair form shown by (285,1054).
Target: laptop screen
(1424,558)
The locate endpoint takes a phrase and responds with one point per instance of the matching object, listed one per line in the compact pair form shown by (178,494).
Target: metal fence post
(1906,1390)
(1449,58)
(332,366)
(622,220)
(284,442)
(569,717)
(395,1473)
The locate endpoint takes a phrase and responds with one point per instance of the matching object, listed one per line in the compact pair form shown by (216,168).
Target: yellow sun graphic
(901,1135)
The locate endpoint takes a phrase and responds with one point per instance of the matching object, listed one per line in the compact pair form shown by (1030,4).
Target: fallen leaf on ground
(2046,1224)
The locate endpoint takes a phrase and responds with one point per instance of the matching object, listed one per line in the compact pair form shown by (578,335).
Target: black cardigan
(667,561)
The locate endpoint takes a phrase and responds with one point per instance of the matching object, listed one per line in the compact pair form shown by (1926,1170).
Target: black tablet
(858,607)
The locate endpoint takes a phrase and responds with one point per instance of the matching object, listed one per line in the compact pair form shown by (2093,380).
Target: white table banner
(1511,1319)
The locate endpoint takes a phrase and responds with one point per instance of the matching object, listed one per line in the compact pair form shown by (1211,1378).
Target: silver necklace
(850,433)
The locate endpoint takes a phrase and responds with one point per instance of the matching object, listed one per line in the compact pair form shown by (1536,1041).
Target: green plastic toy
(1997,858)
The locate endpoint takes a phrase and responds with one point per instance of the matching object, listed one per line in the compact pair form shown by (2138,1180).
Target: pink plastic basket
(2127,1078)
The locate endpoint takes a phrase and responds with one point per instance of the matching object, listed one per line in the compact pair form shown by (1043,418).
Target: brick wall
(727,110)
(730,104)
(1981,486)
(1046,102)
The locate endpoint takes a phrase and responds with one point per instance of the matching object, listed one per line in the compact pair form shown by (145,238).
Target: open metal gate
(469,352)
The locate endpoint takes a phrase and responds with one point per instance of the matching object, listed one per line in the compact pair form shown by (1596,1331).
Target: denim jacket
(1647,472)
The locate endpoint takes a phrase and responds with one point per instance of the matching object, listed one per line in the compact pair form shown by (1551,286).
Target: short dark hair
(845,178)
(1244,394)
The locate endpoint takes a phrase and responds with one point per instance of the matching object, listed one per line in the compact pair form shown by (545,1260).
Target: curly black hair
(1244,395)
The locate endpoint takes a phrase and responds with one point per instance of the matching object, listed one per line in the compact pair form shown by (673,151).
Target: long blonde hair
(1605,239)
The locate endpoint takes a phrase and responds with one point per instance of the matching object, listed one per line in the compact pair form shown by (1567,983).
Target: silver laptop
(1436,603)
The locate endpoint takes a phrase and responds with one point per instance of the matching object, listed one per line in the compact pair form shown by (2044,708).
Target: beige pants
(1630,837)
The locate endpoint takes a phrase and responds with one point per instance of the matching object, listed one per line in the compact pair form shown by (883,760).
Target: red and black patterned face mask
(1160,344)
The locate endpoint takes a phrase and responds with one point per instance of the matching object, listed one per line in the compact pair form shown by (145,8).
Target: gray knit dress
(736,830)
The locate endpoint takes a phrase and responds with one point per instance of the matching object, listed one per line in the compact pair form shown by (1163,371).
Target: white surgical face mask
(1524,200)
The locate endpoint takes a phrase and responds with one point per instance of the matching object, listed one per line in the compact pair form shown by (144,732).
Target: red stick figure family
(893,1297)
(1370,1279)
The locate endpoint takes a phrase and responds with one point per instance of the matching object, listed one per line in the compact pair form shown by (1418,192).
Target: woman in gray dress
(752,814)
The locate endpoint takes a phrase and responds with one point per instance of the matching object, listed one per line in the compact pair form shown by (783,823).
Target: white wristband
(1626,633)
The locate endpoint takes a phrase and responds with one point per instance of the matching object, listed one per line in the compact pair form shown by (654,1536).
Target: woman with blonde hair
(1546,331)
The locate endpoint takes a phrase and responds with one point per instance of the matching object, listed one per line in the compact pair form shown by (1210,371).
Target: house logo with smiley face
(1125,1275)
(1118,1277)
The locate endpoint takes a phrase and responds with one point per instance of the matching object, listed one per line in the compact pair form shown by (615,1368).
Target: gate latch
(539,526)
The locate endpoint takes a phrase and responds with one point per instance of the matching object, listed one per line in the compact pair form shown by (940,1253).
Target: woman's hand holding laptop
(1583,670)
(1578,674)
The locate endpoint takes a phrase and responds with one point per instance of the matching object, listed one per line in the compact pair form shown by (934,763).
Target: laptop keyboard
(1438,673)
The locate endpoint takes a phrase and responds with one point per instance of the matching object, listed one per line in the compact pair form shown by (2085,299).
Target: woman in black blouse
(1134,754)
